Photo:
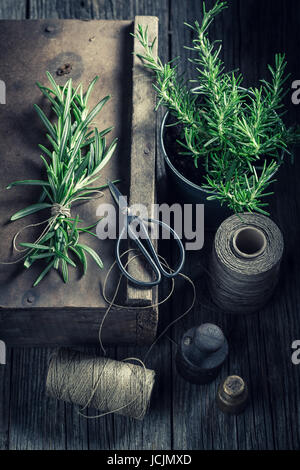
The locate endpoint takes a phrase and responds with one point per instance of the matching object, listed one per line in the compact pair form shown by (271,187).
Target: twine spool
(245,261)
(101,383)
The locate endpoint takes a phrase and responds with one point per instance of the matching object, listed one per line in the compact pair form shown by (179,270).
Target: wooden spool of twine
(245,261)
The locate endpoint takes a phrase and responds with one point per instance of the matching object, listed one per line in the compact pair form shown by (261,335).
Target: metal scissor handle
(151,257)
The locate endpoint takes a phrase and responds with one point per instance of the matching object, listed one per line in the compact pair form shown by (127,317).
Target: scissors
(151,255)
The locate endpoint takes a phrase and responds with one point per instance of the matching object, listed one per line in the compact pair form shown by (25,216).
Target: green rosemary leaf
(71,169)
(87,231)
(80,254)
(78,144)
(89,90)
(106,131)
(68,100)
(92,253)
(74,226)
(91,159)
(45,120)
(93,225)
(47,236)
(65,271)
(65,137)
(107,157)
(56,89)
(28,182)
(47,92)
(41,256)
(45,150)
(42,196)
(36,246)
(30,210)
(65,258)
(54,144)
(43,273)
(94,112)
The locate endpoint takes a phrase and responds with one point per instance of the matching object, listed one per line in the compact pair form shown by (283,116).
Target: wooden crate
(55,313)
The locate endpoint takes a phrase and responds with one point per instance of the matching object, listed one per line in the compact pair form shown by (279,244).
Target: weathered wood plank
(16,9)
(143,153)
(259,345)
(8,10)
(270,33)
(5,387)
(34,418)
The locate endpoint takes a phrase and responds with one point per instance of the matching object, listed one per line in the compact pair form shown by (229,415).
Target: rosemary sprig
(236,136)
(73,162)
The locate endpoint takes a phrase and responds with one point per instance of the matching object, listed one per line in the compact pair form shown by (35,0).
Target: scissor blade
(118,196)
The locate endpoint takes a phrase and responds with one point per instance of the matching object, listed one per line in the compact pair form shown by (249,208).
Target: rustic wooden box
(55,313)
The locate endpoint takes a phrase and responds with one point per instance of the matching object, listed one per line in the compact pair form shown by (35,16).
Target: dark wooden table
(184,416)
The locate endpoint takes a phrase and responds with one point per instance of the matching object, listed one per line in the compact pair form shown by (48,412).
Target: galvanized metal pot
(188,192)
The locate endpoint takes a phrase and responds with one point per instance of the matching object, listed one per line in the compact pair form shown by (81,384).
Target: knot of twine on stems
(56,210)
(59,209)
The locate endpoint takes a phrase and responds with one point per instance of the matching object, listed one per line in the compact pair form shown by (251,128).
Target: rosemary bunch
(73,161)
(236,137)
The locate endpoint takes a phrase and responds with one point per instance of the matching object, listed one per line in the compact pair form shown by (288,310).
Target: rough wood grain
(8,10)
(185,416)
(260,344)
(16,10)
(143,153)
(109,432)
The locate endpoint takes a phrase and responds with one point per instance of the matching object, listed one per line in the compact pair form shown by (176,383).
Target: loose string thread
(104,387)
(112,303)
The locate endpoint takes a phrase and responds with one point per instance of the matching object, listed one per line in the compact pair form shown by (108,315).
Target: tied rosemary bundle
(73,163)
(236,137)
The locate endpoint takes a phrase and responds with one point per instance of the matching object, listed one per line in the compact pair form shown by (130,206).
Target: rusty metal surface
(29,49)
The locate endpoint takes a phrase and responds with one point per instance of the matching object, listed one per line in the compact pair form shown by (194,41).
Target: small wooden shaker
(201,354)
(232,395)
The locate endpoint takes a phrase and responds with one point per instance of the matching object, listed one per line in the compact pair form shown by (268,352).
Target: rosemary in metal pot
(73,161)
(236,136)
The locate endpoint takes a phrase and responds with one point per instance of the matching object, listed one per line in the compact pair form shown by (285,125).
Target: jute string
(110,386)
(102,383)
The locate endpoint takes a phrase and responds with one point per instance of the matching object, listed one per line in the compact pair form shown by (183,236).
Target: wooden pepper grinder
(232,395)
(201,354)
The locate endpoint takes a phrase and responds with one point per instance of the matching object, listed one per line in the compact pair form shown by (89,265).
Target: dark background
(184,416)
